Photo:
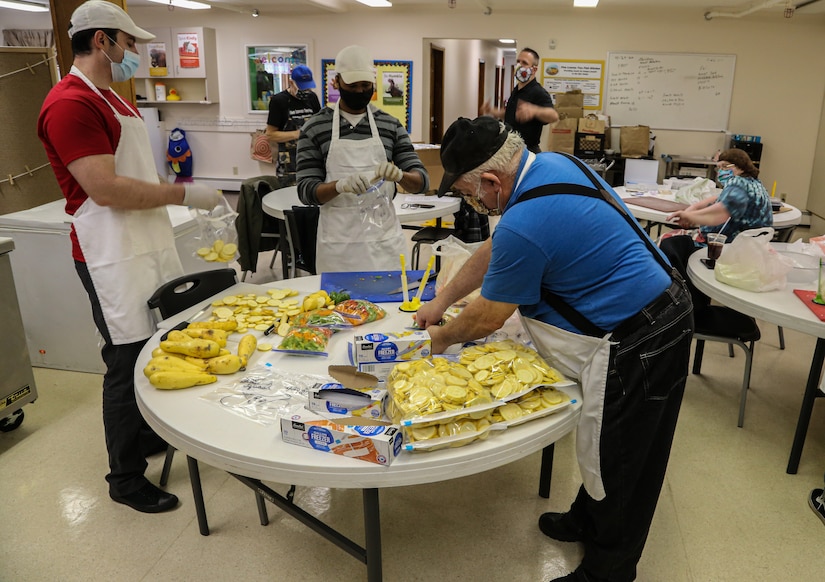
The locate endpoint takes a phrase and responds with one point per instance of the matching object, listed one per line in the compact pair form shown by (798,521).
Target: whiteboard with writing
(670,90)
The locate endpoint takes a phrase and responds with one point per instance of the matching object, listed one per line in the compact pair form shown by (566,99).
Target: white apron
(129,253)
(585,359)
(358,233)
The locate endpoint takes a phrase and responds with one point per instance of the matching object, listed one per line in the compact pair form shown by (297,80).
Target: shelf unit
(192,66)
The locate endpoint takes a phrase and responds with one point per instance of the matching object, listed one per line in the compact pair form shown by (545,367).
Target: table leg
(811,393)
(372,529)
(546,471)
(197,493)
(284,247)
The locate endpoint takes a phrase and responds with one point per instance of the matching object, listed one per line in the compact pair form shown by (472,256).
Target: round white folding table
(789,217)
(781,307)
(409,208)
(253,452)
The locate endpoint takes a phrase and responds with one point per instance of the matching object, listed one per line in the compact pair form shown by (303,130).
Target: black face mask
(356,100)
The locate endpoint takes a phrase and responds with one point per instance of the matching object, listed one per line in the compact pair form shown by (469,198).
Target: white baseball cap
(354,64)
(98,14)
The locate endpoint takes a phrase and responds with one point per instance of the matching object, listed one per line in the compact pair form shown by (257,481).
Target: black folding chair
(302,233)
(173,297)
(257,231)
(715,323)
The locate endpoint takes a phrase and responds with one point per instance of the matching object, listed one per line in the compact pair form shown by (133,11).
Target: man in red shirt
(122,240)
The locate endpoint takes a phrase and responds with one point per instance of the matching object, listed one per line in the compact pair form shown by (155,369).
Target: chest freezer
(54,305)
(17,380)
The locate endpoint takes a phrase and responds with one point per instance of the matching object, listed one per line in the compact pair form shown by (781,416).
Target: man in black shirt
(287,112)
(530,106)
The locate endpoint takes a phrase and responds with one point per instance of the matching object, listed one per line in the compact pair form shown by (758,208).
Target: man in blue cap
(287,112)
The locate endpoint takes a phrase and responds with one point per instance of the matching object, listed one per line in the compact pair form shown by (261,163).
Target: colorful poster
(188,50)
(392,91)
(560,76)
(268,72)
(157,59)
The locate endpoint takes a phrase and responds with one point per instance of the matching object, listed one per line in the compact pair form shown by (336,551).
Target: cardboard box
(377,353)
(355,394)
(430,156)
(334,398)
(356,438)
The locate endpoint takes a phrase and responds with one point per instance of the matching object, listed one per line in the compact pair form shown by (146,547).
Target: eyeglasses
(725,166)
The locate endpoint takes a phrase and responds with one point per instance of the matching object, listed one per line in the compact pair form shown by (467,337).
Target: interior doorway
(436,94)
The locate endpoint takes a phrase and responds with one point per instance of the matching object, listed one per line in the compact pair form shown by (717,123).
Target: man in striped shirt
(350,157)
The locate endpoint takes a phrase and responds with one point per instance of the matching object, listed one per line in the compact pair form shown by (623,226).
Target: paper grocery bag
(634,141)
(570,99)
(570,104)
(591,124)
(563,135)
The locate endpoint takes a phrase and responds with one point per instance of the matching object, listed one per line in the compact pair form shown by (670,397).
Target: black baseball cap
(467,144)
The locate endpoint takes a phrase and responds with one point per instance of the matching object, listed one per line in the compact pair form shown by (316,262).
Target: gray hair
(505,160)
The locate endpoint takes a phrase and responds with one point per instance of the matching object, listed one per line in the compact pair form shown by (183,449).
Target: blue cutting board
(375,285)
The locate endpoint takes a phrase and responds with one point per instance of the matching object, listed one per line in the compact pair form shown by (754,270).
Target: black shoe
(559,527)
(148,499)
(578,576)
(816,500)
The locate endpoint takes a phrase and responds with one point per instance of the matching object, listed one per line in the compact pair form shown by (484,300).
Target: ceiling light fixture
(585,3)
(376,3)
(189,4)
(506,41)
(22,5)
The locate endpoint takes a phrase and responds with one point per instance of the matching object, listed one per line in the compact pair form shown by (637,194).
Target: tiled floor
(728,511)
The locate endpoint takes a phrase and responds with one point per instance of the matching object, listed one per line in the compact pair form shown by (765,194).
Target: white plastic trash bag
(454,253)
(750,263)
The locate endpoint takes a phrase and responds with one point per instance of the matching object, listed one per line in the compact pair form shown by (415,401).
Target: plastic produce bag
(454,253)
(750,263)
(218,238)
(700,189)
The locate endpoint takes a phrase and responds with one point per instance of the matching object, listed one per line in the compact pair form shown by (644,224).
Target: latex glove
(389,171)
(354,183)
(201,196)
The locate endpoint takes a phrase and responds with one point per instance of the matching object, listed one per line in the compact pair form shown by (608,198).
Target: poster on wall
(268,72)
(188,50)
(392,91)
(560,76)
(157,59)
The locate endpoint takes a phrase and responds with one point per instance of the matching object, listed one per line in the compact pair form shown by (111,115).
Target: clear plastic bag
(454,253)
(750,263)
(218,239)
(264,394)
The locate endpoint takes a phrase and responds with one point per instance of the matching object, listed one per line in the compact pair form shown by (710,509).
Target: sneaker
(559,527)
(816,499)
(148,499)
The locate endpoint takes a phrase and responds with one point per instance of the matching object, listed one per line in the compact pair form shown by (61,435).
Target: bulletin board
(27,74)
(670,90)
(393,88)
(561,76)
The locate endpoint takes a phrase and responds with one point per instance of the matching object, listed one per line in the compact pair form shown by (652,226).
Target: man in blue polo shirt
(600,303)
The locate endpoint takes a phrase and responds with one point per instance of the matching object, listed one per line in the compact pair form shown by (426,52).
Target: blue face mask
(126,69)
(724,175)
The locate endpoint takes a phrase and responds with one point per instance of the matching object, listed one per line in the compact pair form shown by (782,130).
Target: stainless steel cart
(17,379)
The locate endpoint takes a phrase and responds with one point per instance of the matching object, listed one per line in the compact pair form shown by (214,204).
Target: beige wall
(778,87)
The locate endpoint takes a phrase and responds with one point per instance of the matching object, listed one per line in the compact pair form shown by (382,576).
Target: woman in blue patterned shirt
(743,204)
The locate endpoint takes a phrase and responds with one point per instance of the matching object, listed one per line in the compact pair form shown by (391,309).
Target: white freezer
(55,307)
